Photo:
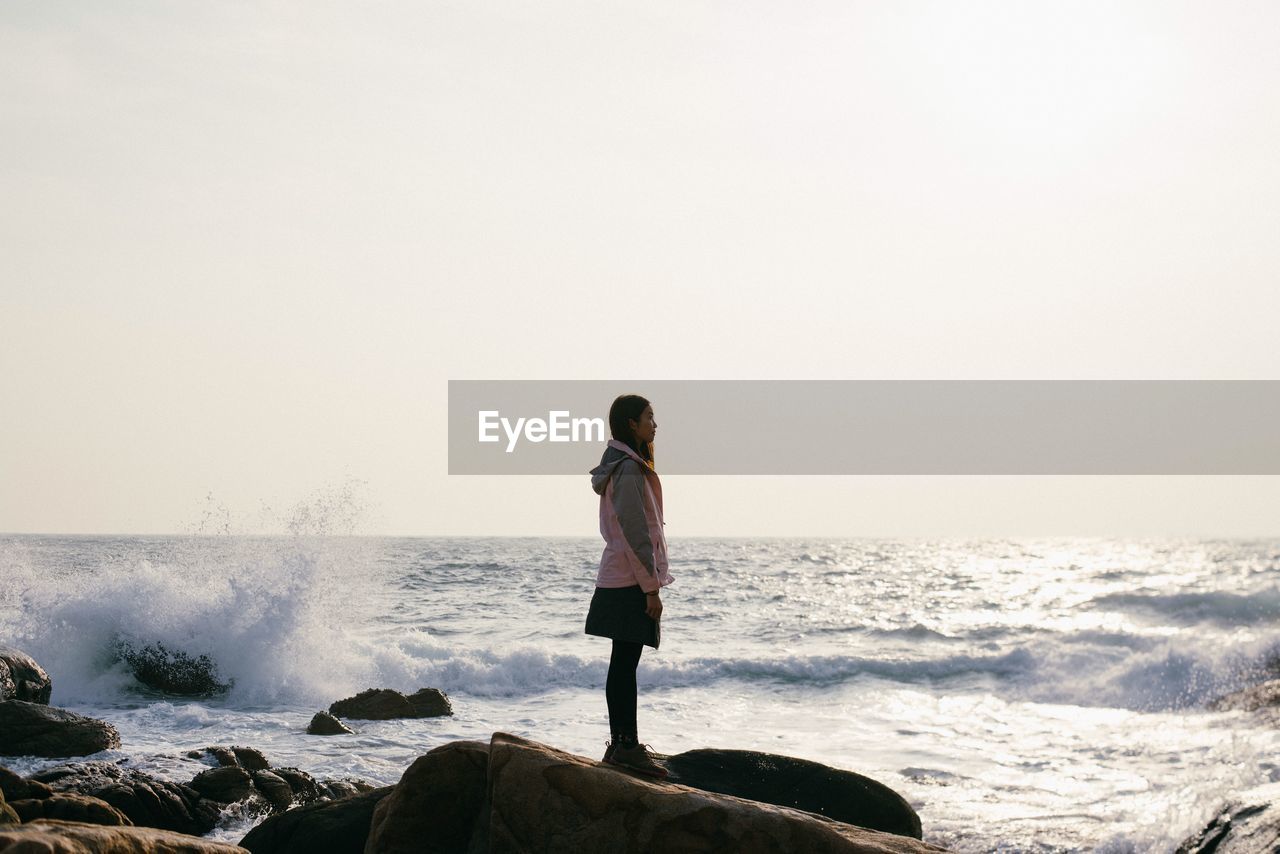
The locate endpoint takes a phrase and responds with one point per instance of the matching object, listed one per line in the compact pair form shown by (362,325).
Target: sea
(1024,695)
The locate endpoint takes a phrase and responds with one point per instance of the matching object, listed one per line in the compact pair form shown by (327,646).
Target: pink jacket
(635,550)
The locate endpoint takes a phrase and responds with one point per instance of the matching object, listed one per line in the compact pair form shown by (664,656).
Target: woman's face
(646,428)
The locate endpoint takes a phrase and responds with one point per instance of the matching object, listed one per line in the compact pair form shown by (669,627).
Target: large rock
(33,729)
(542,799)
(799,783)
(66,837)
(436,804)
(383,704)
(326,724)
(8,815)
(21,678)
(70,806)
(172,671)
(335,827)
(1248,824)
(147,802)
(536,798)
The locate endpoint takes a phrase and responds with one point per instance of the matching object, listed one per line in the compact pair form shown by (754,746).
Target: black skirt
(618,613)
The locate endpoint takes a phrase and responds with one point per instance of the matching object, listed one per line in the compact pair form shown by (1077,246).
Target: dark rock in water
(275,789)
(70,837)
(326,724)
(15,787)
(1265,696)
(248,758)
(1248,824)
(173,671)
(229,784)
(334,827)
(303,787)
(430,703)
(70,806)
(798,783)
(436,804)
(33,729)
(146,801)
(338,789)
(383,704)
(21,678)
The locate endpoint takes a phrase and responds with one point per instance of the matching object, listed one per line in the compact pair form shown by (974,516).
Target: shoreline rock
(34,729)
(22,678)
(325,723)
(1249,823)
(384,704)
(69,837)
(172,671)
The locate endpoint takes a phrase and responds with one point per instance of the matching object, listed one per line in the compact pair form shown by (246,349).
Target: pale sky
(244,246)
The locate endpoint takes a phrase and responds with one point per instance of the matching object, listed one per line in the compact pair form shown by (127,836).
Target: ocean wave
(1188,608)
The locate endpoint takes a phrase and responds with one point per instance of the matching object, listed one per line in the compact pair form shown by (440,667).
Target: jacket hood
(613,455)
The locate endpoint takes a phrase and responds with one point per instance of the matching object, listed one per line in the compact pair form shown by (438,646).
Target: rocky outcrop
(335,827)
(1249,824)
(326,724)
(64,837)
(34,729)
(69,806)
(241,757)
(21,678)
(147,802)
(245,777)
(437,803)
(1263,697)
(519,795)
(798,783)
(173,671)
(7,813)
(383,704)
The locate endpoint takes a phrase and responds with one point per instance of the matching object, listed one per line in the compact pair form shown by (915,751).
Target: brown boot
(629,754)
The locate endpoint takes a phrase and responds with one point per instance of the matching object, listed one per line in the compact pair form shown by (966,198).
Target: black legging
(620,687)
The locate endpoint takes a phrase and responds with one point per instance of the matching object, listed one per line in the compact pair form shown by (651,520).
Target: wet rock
(1263,697)
(69,806)
(173,671)
(229,784)
(21,678)
(335,827)
(1248,824)
(430,703)
(326,724)
(66,837)
(275,789)
(34,729)
(16,787)
(147,802)
(383,704)
(798,783)
(248,758)
(437,803)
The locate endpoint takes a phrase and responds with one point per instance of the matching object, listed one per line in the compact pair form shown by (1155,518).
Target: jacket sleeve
(628,504)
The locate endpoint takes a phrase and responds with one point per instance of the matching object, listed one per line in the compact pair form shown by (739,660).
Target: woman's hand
(653,605)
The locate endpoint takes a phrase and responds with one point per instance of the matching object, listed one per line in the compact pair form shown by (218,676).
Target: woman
(627,604)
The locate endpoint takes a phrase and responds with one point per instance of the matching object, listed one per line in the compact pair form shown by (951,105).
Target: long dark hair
(629,407)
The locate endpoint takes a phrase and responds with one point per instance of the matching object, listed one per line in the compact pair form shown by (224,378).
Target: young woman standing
(627,603)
